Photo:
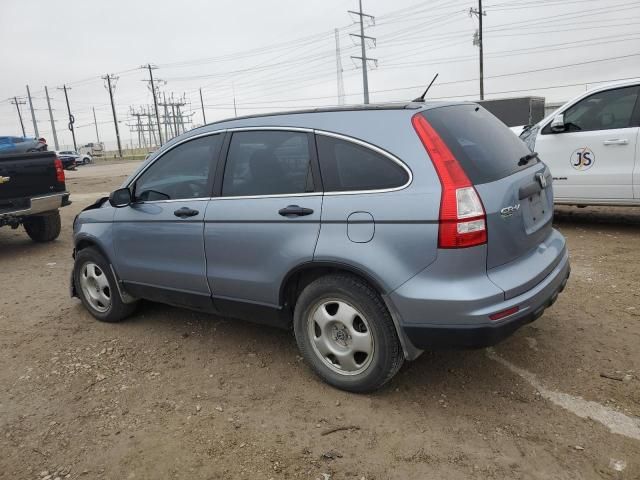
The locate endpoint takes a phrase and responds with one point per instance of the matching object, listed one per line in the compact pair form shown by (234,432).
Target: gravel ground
(176,394)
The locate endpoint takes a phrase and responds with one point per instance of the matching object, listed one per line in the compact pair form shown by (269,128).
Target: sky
(281,54)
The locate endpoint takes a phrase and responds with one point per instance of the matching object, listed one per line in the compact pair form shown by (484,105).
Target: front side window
(346,166)
(602,111)
(182,172)
(267,163)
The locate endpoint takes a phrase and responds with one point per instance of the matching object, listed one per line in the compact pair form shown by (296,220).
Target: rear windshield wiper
(524,160)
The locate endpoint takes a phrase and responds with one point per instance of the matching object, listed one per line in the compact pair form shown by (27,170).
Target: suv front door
(594,157)
(158,239)
(265,220)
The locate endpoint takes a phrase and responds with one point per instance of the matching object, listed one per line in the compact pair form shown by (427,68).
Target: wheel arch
(302,275)
(88,241)
(309,271)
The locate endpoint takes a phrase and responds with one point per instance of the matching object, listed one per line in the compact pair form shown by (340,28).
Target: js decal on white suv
(582,158)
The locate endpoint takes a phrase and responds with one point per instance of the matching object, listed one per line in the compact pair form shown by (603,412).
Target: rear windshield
(484,146)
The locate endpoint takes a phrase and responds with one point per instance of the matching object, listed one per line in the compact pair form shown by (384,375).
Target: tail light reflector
(504,313)
(59,170)
(462,216)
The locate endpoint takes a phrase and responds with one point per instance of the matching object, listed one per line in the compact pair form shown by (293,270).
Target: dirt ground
(176,394)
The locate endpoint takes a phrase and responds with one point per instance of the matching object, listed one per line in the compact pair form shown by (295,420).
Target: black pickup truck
(32,189)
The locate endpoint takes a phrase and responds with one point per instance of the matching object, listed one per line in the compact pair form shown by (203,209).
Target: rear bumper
(465,336)
(37,205)
(471,327)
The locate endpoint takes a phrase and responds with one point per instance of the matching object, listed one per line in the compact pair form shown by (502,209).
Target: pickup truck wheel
(43,228)
(97,288)
(345,332)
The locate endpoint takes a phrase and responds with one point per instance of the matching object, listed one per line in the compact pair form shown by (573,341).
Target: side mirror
(557,124)
(120,198)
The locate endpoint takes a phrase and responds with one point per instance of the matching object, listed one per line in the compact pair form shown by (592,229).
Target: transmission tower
(363,48)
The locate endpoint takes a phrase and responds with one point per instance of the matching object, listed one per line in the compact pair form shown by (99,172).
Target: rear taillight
(462,216)
(59,170)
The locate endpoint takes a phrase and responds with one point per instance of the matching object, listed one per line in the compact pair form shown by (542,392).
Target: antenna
(421,97)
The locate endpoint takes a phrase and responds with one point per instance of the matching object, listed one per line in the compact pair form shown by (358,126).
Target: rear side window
(267,163)
(484,146)
(347,166)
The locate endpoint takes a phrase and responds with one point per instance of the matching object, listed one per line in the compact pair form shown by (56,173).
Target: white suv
(592,147)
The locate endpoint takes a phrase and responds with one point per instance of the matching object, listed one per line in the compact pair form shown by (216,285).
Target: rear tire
(43,228)
(346,334)
(97,287)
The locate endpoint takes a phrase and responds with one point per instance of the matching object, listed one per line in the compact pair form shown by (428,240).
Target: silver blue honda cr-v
(373,232)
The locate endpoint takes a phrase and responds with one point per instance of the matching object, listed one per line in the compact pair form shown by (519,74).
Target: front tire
(43,228)
(97,287)
(346,334)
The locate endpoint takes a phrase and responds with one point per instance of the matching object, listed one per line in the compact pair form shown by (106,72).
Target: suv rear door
(266,218)
(517,196)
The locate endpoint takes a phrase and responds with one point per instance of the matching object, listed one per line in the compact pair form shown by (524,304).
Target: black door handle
(185,212)
(295,211)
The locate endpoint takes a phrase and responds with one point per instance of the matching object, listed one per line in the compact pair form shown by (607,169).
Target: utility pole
(165,119)
(363,47)
(204,118)
(33,114)
(181,115)
(339,69)
(174,117)
(53,123)
(17,103)
(233,89)
(151,68)
(72,120)
(110,87)
(95,122)
(480,13)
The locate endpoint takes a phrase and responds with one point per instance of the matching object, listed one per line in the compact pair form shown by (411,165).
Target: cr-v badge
(510,210)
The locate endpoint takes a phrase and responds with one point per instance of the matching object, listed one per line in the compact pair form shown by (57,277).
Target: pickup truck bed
(32,189)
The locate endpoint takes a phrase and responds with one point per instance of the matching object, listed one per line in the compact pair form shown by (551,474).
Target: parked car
(10,145)
(72,158)
(93,149)
(32,190)
(592,147)
(373,232)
